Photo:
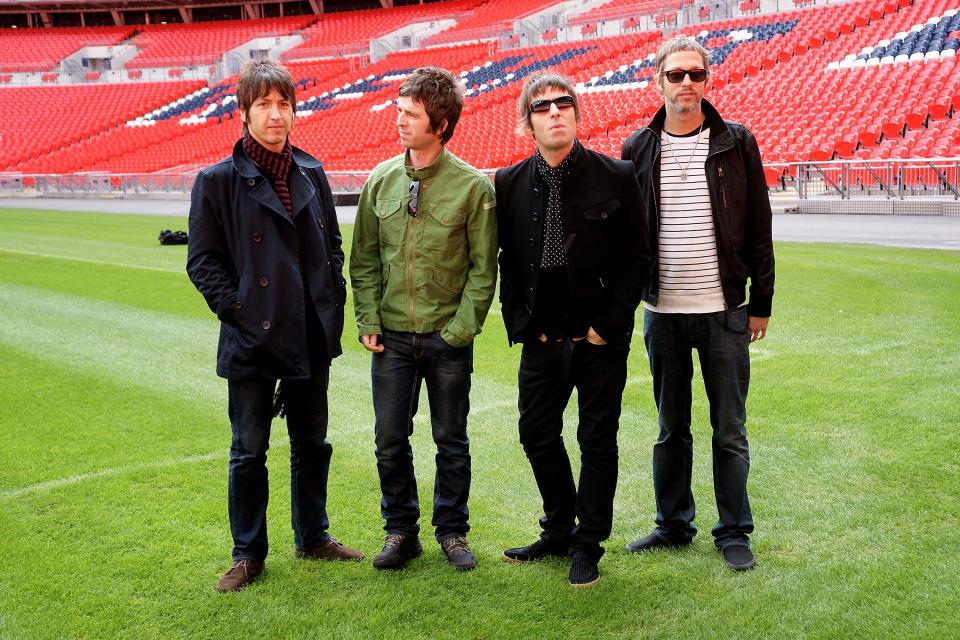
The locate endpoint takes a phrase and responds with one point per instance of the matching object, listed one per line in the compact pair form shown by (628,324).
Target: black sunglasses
(414,198)
(541,106)
(676,76)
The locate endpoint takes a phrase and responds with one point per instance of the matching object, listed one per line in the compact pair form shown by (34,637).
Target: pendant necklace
(666,138)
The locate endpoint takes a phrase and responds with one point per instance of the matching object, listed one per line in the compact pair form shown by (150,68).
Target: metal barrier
(891,178)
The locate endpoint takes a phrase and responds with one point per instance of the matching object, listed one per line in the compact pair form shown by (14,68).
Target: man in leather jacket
(574,259)
(265,252)
(704,178)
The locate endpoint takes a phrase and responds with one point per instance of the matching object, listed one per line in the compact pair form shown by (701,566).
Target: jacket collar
(429,171)
(718,129)
(301,188)
(247,169)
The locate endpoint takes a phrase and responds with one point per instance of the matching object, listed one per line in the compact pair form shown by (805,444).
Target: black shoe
(584,572)
(397,549)
(655,541)
(539,549)
(458,553)
(738,557)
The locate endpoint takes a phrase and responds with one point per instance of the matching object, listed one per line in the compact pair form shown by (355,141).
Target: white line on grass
(39,254)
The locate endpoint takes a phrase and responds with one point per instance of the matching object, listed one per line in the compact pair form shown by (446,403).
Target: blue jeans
(722,341)
(251,412)
(397,372)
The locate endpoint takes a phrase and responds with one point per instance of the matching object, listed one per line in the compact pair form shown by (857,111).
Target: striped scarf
(276,166)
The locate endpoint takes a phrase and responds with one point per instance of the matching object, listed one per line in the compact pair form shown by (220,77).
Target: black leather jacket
(607,244)
(738,198)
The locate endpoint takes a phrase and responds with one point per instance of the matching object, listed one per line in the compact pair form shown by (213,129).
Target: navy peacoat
(245,255)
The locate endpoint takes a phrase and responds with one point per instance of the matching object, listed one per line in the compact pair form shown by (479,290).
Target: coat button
(266,325)
(264,282)
(532,242)
(534,217)
(256,237)
(532,267)
(238,305)
(446,219)
(603,214)
(530,290)
(251,181)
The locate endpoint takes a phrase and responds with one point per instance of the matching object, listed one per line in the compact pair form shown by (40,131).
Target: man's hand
(370,342)
(592,337)
(758,328)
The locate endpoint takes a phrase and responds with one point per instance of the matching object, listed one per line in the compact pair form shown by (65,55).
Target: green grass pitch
(113,467)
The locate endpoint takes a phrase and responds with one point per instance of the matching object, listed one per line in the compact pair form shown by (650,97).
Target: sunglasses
(542,106)
(414,198)
(676,76)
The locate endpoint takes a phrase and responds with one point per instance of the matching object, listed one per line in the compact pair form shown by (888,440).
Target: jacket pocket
(392,223)
(602,210)
(446,230)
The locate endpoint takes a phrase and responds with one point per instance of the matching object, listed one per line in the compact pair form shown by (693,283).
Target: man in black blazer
(574,258)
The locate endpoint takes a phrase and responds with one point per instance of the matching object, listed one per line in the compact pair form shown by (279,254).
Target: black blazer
(607,245)
(245,254)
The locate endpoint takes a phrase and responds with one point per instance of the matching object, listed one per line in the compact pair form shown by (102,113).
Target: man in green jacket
(423,270)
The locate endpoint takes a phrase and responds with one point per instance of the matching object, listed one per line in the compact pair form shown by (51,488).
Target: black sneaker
(584,572)
(458,553)
(397,549)
(738,557)
(655,541)
(539,549)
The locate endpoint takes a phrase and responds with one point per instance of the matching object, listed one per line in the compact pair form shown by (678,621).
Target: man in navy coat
(265,252)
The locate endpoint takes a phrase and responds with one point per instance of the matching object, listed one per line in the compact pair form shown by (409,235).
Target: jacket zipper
(413,320)
(723,192)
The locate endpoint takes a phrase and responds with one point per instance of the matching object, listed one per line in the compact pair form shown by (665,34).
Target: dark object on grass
(173,237)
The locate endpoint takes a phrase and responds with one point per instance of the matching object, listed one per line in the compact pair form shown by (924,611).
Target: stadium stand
(202,43)
(42,49)
(861,80)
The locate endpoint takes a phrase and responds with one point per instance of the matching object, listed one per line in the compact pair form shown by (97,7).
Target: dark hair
(257,79)
(441,95)
(677,44)
(537,83)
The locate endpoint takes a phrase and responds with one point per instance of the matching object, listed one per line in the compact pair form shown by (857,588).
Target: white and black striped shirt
(689,272)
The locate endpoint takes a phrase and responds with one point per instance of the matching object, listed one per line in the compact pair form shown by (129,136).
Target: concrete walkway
(932,232)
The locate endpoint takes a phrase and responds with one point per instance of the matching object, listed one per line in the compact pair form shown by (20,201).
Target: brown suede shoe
(242,573)
(330,550)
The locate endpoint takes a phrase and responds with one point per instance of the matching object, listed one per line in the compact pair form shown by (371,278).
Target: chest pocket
(392,221)
(605,210)
(445,230)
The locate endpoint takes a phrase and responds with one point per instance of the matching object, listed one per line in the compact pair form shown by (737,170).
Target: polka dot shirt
(553,178)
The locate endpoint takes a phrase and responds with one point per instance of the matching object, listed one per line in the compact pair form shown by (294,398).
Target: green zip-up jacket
(435,271)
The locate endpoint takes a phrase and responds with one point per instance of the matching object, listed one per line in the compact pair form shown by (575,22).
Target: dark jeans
(407,360)
(251,412)
(722,341)
(548,373)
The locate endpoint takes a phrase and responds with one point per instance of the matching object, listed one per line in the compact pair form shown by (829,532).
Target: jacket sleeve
(511,297)
(209,264)
(633,245)
(365,267)
(481,281)
(759,232)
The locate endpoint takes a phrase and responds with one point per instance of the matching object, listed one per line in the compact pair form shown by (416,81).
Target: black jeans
(548,373)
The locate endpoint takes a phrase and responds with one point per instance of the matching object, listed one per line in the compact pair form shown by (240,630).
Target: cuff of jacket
(455,335)
(759,306)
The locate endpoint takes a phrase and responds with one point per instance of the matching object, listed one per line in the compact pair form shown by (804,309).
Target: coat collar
(302,189)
